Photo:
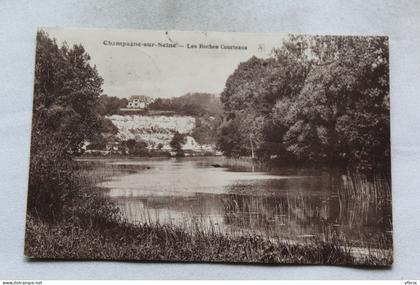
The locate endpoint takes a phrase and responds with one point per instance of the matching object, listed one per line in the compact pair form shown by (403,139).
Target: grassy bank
(89,226)
(121,241)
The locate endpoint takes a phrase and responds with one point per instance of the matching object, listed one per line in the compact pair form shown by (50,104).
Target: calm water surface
(287,203)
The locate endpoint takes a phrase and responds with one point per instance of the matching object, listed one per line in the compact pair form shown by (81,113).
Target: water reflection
(285,203)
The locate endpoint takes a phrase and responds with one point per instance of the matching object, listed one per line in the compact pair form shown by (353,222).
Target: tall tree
(66,92)
(318,98)
(252,91)
(341,115)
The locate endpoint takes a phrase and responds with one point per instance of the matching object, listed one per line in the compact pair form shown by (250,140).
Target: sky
(162,71)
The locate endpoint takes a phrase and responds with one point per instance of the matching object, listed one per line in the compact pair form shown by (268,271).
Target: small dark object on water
(148,167)
(216,165)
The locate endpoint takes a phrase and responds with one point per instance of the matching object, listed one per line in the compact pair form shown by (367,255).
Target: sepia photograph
(180,146)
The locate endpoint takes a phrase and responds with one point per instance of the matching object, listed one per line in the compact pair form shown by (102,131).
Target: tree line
(190,104)
(317,99)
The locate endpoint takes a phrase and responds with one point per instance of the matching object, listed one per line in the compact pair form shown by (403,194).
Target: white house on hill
(139,102)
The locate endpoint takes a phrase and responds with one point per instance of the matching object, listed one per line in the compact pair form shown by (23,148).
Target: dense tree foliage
(66,93)
(176,143)
(321,99)
(191,104)
(206,129)
(136,147)
(110,105)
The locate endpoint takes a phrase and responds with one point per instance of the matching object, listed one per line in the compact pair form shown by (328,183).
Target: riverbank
(121,241)
(91,226)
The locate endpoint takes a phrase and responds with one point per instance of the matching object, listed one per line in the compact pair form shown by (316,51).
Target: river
(236,199)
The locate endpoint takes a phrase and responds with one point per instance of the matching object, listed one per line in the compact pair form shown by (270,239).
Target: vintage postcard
(210,147)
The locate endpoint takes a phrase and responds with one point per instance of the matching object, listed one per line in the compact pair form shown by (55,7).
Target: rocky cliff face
(155,130)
